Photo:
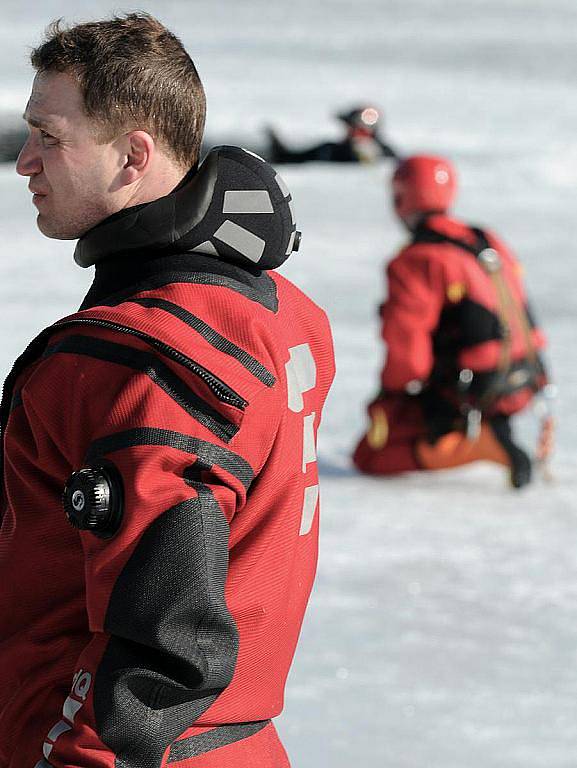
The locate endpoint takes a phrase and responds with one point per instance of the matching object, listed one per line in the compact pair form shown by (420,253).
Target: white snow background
(442,631)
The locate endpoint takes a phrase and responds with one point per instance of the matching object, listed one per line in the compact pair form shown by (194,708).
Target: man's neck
(154,188)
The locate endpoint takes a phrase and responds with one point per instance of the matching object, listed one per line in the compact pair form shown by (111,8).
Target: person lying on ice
(361,144)
(160,506)
(463,349)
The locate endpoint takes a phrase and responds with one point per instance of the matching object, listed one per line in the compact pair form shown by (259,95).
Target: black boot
(521,466)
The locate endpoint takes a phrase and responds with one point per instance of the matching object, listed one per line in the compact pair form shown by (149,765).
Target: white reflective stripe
(71,708)
(295,400)
(47,748)
(301,373)
(206,247)
(60,728)
(258,157)
(309,447)
(241,240)
(283,187)
(43,764)
(291,242)
(247,201)
(292,210)
(309,506)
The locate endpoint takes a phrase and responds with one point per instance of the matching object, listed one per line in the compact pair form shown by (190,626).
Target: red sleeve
(163,643)
(409,317)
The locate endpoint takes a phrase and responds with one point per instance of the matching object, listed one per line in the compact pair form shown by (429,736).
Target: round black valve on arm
(93,500)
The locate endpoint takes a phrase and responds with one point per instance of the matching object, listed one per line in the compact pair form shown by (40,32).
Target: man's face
(72,176)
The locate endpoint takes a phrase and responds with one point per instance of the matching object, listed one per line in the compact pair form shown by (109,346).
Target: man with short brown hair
(159,481)
(100,117)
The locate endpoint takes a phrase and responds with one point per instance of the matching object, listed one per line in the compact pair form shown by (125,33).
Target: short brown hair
(134,75)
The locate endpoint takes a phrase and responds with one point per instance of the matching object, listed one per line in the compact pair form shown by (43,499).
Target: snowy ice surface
(442,632)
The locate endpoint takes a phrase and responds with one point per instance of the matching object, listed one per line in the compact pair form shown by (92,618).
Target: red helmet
(423,184)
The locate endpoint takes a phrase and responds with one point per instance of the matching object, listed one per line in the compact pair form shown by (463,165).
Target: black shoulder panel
(253,284)
(424,234)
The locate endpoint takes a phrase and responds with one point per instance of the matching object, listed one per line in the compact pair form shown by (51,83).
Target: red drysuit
(202,383)
(445,314)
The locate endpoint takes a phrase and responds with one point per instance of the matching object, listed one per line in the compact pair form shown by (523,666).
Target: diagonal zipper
(35,349)
(222,391)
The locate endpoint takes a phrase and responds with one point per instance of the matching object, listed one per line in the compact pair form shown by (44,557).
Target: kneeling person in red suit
(463,349)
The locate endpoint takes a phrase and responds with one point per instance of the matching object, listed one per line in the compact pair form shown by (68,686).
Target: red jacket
(203,384)
(445,313)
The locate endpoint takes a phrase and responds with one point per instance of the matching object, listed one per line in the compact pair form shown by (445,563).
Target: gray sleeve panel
(173,644)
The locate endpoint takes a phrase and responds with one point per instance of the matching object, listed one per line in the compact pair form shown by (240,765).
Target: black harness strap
(423,234)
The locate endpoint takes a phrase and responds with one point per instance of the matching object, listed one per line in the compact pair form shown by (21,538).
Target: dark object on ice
(11,142)
(463,348)
(362,143)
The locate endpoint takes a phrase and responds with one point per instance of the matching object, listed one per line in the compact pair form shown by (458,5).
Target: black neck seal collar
(235,208)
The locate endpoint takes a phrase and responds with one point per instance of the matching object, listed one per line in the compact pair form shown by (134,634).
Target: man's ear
(140,149)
